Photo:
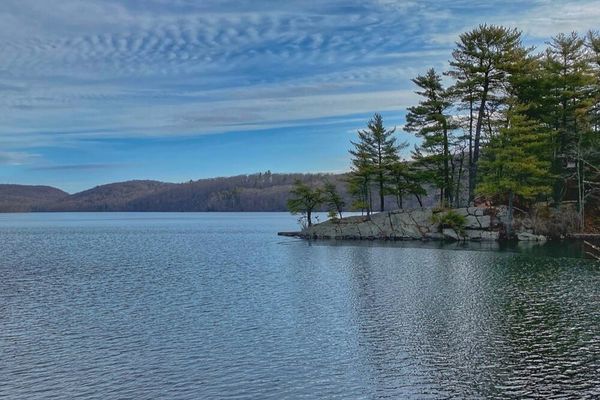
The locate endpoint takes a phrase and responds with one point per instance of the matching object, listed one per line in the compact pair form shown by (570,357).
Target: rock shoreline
(482,224)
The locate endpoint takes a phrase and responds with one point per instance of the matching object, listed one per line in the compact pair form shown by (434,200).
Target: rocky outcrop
(481,224)
(413,224)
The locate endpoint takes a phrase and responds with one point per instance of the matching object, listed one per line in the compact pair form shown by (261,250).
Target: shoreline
(575,237)
(476,224)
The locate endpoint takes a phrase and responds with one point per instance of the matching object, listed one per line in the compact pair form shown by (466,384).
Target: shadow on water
(565,248)
(482,326)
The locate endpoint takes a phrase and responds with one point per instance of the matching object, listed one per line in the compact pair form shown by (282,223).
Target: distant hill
(111,197)
(23,198)
(256,192)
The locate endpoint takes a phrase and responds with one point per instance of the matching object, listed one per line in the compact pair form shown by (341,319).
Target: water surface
(191,306)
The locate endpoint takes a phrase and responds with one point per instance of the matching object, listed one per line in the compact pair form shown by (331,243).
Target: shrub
(333,215)
(450,219)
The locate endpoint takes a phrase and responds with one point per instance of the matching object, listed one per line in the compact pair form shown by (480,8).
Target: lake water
(193,306)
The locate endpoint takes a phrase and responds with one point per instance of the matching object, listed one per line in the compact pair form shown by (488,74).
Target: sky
(98,91)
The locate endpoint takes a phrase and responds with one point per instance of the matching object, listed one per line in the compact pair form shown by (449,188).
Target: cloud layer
(79,70)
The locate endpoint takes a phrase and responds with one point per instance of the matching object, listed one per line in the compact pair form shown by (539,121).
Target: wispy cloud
(108,68)
(81,167)
(16,158)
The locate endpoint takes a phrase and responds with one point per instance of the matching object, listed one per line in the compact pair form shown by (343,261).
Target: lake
(193,306)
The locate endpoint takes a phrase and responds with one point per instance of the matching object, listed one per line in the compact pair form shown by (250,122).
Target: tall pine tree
(514,166)
(360,178)
(481,63)
(375,151)
(431,121)
(568,69)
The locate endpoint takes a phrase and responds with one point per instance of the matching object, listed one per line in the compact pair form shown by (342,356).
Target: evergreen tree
(568,69)
(333,199)
(405,180)
(375,151)
(593,44)
(359,187)
(430,121)
(361,175)
(591,164)
(513,164)
(305,200)
(481,63)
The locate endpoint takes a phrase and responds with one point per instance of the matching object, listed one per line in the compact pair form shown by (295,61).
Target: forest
(506,124)
(263,191)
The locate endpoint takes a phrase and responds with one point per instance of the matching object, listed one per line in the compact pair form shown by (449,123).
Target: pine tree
(375,151)
(591,164)
(306,199)
(568,68)
(405,180)
(593,44)
(360,178)
(513,163)
(333,199)
(481,63)
(430,120)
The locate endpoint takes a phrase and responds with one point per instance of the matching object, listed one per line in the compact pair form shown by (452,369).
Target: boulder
(474,211)
(434,236)
(482,236)
(477,211)
(451,234)
(530,237)
(478,222)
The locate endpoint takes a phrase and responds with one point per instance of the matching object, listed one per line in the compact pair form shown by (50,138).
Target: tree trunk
(309,217)
(580,188)
(447,189)
(366,197)
(381,195)
(452,179)
(471,102)
(419,200)
(458,180)
(478,127)
(510,214)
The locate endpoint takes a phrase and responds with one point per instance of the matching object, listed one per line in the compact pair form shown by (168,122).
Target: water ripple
(190,306)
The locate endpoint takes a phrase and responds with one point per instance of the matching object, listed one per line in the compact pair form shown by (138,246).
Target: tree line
(505,124)
(264,191)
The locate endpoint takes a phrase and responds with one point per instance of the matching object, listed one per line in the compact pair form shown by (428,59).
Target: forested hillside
(23,198)
(255,192)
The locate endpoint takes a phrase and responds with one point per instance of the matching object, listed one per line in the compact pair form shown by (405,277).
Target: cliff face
(482,224)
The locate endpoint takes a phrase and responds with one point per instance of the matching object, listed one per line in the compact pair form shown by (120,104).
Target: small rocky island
(474,224)
(492,139)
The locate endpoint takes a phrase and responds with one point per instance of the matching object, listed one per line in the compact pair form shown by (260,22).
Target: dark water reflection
(188,306)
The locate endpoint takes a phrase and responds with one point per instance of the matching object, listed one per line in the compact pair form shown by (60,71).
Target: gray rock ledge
(411,224)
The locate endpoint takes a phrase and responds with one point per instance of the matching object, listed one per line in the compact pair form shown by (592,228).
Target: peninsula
(509,149)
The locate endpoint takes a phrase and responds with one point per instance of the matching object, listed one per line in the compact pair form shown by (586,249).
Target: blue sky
(96,91)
